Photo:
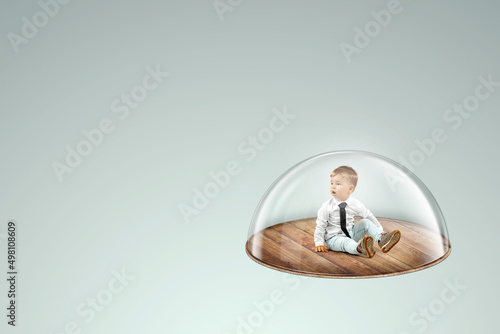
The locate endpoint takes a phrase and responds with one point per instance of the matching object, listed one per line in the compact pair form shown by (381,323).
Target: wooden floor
(289,247)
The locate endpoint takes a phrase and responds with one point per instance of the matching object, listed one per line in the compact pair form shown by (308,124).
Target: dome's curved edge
(303,273)
(282,175)
(421,184)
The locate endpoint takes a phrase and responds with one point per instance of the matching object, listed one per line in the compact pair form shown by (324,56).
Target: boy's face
(340,187)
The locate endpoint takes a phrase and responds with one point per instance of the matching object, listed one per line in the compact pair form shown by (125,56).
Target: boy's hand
(320,249)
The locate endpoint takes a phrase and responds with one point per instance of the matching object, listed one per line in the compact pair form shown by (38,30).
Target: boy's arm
(365,213)
(319,232)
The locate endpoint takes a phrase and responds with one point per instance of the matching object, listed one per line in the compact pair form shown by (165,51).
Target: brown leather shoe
(365,246)
(389,240)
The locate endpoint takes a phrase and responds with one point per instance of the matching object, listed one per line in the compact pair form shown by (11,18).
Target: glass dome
(281,234)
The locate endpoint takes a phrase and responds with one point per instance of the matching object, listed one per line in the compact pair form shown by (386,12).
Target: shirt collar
(337,202)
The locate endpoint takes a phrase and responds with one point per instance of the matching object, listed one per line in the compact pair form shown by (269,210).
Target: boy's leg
(365,226)
(341,243)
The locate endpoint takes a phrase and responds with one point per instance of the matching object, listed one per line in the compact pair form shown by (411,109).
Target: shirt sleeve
(321,223)
(365,213)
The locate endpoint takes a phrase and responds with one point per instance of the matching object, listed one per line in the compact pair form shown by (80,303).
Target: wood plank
(382,265)
(418,237)
(289,247)
(427,232)
(430,245)
(282,251)
(349,263)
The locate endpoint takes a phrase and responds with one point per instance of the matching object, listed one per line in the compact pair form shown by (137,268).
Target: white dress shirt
(328,221)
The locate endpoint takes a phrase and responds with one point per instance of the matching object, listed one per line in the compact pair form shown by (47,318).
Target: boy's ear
(351,188)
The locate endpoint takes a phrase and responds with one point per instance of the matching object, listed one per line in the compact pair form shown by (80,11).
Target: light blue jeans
(342,243)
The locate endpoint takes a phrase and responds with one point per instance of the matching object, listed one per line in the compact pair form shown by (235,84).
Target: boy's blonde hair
(348,172)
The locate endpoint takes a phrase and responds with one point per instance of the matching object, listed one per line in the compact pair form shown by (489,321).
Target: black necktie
(343,218)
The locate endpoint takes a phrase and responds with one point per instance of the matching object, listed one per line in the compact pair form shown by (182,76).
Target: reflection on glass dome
(297,225)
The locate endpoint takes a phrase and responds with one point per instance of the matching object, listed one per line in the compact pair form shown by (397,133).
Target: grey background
(119,210)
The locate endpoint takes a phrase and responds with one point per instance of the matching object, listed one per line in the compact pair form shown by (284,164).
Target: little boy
(335,222)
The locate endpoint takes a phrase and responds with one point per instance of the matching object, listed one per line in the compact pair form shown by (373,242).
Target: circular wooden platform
(289,246)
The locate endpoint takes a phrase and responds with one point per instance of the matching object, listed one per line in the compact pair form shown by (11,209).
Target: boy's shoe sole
(368,246)
(395,236)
